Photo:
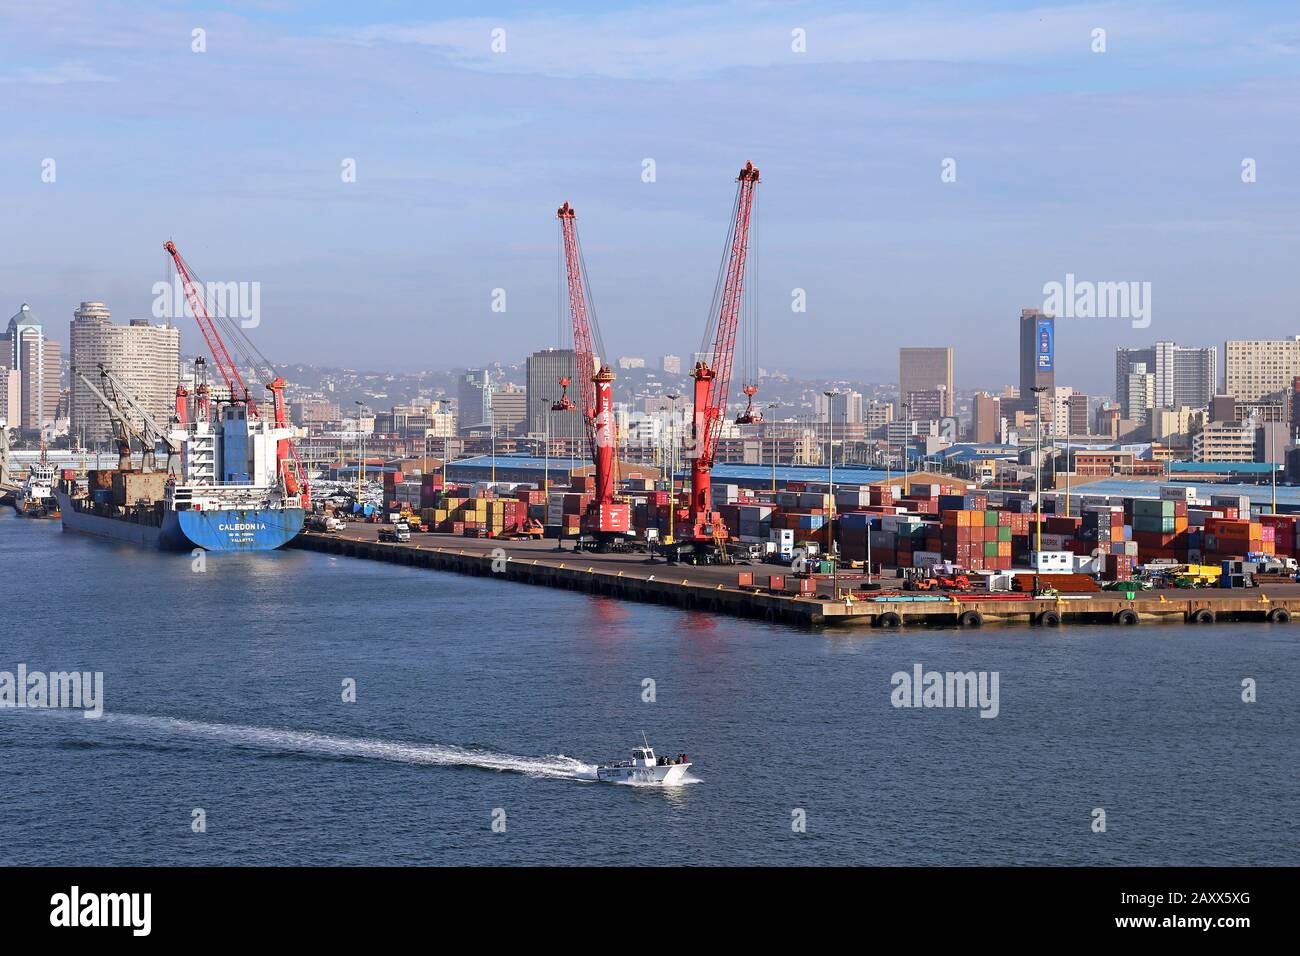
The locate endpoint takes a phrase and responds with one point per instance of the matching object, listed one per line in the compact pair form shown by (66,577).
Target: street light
(907,417)
(830,459)
(672,463)
(361,449)
(1038,468)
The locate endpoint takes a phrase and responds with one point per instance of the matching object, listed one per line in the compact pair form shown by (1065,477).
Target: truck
(397,534)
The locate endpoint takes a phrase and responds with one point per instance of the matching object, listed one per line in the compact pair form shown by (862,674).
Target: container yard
(932,553)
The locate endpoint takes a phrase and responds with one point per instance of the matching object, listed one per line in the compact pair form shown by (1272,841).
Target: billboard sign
(1044,347)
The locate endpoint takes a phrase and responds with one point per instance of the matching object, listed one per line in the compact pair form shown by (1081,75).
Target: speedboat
(645,768)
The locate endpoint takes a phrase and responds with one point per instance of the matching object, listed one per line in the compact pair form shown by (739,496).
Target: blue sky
(1122,165)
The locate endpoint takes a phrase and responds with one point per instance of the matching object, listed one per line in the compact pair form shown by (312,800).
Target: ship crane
(292,474)
(123,429)
(154,433)
(712,373)
(605,519)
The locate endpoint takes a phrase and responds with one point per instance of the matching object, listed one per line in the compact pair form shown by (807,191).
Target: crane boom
(712,372)
(123,429)
(225,364)
(604,516)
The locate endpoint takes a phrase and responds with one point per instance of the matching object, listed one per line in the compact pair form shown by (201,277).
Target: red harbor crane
(712,372)
(291,472)
(605,518)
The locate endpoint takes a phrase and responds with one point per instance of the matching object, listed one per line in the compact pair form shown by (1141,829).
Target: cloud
(55,74)
(651,43)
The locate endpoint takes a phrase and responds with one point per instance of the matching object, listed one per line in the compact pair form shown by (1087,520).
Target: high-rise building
(1139,395)
(1254,369)
(671,364)
(509,408)
(1077,411)
(314,411)
(925,406)
(1037,355)
(986,418)
(473,399)
(926,370)
(843,408)
(1183,376)
(145,357)
(630,361)
(544,371)
(39,361)
(11,397)
(876,416)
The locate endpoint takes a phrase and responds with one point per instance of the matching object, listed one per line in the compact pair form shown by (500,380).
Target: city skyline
(857,214)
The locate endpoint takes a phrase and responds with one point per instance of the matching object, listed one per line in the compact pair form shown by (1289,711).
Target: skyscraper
(544,371)
(39,361)
(1183,376)
(1253,369)
(986,418)
(926,370)
(473,399)
(1037,354)
(145,357)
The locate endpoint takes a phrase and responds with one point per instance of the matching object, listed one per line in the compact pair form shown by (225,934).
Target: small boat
(646,768)
(35,497)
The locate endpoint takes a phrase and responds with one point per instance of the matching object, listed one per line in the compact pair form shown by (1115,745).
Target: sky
(927,168)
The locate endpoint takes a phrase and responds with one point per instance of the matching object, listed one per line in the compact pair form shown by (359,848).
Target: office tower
(145,357)
(544,371)
(1183,376)
(671,364)
(1223,408)
(509,408)
(986,418)
(630,361)
(473,399)
(39,361)
(926,370)
(1077,412)
(1254,369)
(1037,355)
(11,396)
(925,406)
(876,416)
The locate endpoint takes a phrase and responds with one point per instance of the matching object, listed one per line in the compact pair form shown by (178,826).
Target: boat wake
(556,766)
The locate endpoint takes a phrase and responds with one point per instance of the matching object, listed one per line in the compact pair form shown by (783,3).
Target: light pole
(672,463)
(546,448)
(1038,469)
(1272,460)
(492,424)
(361,450)
(830,460)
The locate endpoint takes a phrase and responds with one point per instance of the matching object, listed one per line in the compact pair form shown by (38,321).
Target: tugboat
(646,768)
(35,496)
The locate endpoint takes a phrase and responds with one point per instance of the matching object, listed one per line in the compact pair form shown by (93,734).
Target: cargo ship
(224,489)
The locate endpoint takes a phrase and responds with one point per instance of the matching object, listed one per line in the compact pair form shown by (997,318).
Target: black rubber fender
(970,619)
(1128,617)
(1279,615)
(1202,615)
(1049,619)
(889,619)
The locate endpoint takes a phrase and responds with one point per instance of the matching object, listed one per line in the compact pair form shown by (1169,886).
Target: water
(478,697)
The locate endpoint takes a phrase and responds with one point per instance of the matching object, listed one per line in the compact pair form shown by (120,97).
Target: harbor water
(482,706)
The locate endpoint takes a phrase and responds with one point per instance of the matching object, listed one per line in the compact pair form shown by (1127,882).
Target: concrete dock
(714,589)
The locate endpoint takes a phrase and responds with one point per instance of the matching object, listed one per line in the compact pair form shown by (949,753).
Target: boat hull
(260,529)
(665,775)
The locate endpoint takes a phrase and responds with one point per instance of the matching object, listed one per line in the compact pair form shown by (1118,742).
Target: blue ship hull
(261,529)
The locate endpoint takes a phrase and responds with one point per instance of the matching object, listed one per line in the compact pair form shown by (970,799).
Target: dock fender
(889,619)
(1128,617)
(1049,619)
(970,619)
(1202,615)
(1279,615)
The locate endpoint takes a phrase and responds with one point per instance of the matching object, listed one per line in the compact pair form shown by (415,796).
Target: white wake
(301,741)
